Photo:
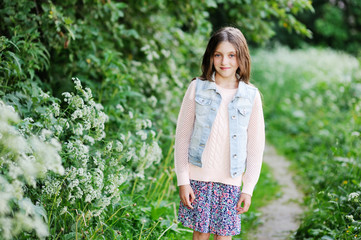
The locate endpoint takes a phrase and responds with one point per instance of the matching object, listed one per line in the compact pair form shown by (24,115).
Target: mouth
(225,68)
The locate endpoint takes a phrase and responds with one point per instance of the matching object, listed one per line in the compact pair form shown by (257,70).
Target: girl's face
(225,61)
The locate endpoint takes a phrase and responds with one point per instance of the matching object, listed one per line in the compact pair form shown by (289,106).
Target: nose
(224,60)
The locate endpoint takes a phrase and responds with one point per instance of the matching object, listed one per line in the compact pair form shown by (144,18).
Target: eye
(232,55)
(217,55)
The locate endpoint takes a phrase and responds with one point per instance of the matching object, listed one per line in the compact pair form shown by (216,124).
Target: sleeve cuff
(247,189)
(183,178)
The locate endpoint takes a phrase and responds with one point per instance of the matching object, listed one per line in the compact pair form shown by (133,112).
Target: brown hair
(236,38)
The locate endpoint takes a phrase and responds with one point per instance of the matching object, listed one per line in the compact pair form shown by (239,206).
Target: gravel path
(280,218)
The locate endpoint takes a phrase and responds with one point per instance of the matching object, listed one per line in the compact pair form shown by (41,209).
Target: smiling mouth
(225,68)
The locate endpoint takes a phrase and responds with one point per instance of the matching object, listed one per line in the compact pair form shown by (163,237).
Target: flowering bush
(95,167)
(24,158)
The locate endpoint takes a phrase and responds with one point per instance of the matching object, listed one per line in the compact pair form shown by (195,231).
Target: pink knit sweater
(215,158)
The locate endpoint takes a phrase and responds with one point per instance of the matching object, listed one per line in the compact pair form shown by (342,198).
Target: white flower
(28,119)
(143,150)
(120,107)
(6,227)
(152,133)
(143,220)
(354,196)
(8,113)
(27,206)
(355,133)
(350,217)
(64,210)
(89,139)
(153,101)
(58,129)
(56,109)
(5,196)
(45,134)
(14,171)
(88,94)
(99,107)
(67,97)
(131,115)
(44,95)
(118,146)
(79,129)
(143,134)
(77,83)
(81,171)
(299,114)
(138,124)
(41,228)
(122,137)
(78,102)
(148,123)
(87,125)
(109,146)
(76,114)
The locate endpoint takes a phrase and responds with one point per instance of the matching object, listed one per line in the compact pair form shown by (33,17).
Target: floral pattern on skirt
(214,209)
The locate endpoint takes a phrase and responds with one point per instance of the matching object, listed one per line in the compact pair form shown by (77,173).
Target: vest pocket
(244,113)
(202,105)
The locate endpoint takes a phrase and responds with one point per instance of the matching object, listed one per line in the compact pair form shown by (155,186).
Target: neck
(231,82)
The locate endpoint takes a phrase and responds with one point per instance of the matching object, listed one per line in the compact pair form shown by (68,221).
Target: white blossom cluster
(23,159)
(354,197)
(93,174)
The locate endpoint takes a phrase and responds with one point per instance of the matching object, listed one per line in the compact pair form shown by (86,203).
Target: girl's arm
(255,146)
(183,135)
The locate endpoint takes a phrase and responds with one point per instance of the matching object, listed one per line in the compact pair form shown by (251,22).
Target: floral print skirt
(214,209)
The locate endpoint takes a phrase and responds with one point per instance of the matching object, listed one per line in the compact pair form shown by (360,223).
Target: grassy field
(312,109)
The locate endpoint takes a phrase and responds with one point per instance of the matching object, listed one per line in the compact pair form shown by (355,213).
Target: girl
(219,140)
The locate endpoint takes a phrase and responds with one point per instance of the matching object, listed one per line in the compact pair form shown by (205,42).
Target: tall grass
(312,103)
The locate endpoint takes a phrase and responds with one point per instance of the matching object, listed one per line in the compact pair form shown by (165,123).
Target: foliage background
(99,84)
(334,23)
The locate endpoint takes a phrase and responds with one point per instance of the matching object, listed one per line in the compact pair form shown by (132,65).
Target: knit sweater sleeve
(183,135)
(255,146)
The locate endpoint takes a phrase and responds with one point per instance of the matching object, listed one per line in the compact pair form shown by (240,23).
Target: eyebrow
(222,53)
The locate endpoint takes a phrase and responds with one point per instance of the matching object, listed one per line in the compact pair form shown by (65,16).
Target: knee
(200,236)
(217,237)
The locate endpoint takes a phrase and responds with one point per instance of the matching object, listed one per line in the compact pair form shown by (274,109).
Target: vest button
(202,145)
(234,136)
(234,174)
(233,117)
(235,156)
(213,109)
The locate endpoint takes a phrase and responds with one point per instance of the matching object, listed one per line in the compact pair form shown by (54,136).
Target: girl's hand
(186,195)
(246,200)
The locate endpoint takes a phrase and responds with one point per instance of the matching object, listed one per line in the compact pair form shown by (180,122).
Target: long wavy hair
(236,38)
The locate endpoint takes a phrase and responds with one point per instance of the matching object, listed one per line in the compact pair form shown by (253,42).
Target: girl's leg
(200,236)
(217,237)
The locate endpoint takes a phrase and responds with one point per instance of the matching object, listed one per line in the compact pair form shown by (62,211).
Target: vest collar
(242,91)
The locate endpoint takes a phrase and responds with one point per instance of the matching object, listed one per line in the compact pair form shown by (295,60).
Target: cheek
(215,61)
(234,62)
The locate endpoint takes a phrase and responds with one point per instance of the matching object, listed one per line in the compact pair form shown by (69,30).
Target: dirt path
(280,217)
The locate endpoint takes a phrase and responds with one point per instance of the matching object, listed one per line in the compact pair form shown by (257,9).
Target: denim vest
(207,100)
